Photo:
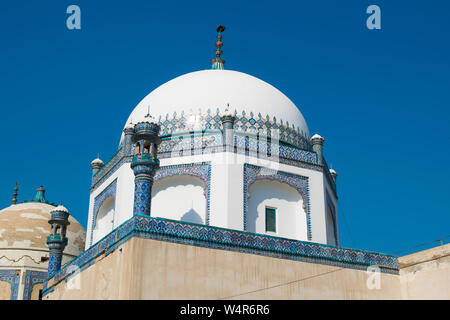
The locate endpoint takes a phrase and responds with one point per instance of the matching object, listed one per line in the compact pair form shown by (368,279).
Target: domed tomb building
(24,253)
(219,191)
(235,153)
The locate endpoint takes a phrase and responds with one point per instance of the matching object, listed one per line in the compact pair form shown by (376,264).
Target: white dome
(196,92)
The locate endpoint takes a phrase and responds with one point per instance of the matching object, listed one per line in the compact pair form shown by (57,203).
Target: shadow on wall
(288,203)
(192,216)
(180,198)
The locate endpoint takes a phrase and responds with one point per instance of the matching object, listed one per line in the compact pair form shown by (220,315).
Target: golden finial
(218,62)
(14,200)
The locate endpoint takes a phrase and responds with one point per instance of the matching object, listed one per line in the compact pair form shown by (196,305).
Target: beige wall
(426,274)
(35,291)
(150,269)
(5,290)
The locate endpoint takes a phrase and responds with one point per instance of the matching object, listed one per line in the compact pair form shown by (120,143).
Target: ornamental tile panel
(224,239)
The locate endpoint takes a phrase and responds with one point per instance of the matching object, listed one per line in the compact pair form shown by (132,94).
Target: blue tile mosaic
(32,277)
(224,239)
(13,277)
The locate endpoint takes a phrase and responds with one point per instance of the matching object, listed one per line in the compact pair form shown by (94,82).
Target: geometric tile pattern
(299,183)
(175,146)
(32,277)
(211,120)
(142,196)
(13,277)
(54,262)
(224,239)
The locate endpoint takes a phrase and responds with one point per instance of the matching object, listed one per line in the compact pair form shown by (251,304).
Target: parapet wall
(426,274)
(152,269)
(153,258)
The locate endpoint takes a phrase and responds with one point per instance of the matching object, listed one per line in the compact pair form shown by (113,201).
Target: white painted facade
(174,197)
(179,198)
(184,198)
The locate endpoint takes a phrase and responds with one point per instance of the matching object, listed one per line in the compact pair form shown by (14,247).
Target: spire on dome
(218,63)
(14,200)
(40,195)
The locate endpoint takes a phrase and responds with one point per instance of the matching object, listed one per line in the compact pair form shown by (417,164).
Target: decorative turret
(40,195)
(317,144)
(227,119)
(333,174)
(128,132)
(218,62)
(96,165)
(57,240)
(144,163)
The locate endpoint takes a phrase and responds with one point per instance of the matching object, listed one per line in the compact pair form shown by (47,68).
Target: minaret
(144,163)
(227,119)
(57,240)
(218,62)
(96,165)
(317,144)
(14,199)
(127,141)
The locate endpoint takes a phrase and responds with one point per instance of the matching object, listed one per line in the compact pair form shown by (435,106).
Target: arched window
(147,147)
(137,148)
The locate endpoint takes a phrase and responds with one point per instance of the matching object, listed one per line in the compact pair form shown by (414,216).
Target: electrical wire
(283,284)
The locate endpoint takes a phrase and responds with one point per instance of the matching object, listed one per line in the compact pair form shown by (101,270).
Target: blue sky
(379,97)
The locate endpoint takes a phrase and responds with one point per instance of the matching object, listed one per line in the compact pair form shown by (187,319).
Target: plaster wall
(151,269)
(426,274)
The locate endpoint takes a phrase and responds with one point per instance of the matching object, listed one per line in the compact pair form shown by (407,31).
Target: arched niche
(287,204)
(104,222)
(254,173)
(179,197)
(109,191)
(200,172)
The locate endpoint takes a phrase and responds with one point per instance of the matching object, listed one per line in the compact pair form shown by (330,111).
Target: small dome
(97,162)
(316,136)
(25,225)
(129,126)
(60,208)
(150,119)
